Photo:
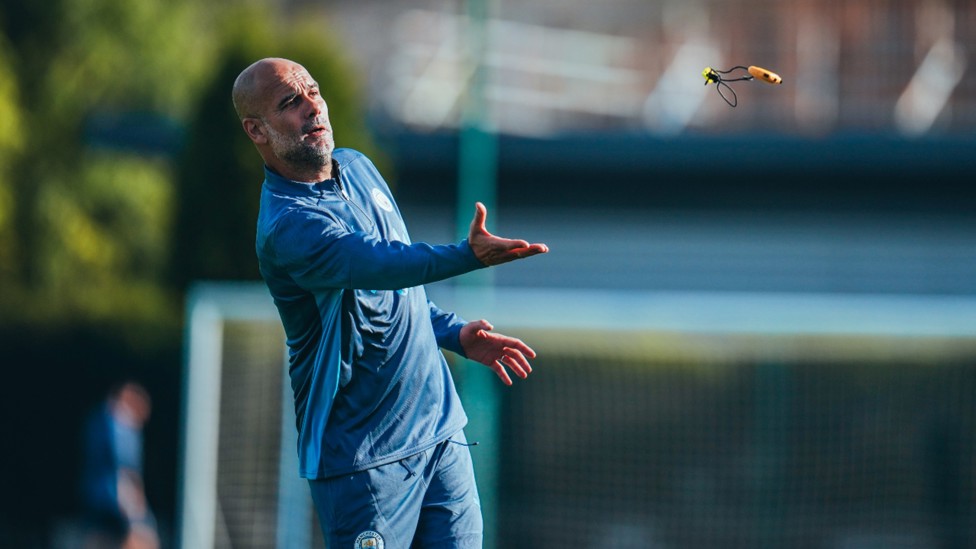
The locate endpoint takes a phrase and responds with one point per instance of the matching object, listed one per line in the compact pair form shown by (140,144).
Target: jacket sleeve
(447,329)
(319,253)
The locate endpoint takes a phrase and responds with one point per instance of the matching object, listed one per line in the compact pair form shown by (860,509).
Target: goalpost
(232,330)
(656,419)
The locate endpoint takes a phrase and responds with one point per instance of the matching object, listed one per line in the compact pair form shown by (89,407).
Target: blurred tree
(220,172)
(11,144)
(99,222)
(89,224)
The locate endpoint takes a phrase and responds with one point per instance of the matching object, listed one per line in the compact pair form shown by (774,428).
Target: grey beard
(299,155)
(306,156)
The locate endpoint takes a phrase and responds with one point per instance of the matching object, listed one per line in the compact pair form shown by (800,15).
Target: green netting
(667,441)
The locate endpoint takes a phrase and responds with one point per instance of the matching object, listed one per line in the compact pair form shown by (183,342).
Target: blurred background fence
(799,451)
(652,420)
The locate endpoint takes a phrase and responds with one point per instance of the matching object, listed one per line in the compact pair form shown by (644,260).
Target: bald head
(255,83)
(283,113)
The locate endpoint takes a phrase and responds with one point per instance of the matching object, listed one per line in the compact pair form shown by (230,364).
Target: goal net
(652,420)
(239,471)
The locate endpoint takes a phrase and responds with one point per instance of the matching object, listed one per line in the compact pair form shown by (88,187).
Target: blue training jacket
(371,385)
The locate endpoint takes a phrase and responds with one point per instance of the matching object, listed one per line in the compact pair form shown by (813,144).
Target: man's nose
(313,106)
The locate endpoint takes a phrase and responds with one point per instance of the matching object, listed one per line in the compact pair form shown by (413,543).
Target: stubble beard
(301,155)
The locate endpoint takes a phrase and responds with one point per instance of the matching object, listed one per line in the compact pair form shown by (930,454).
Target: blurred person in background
(116,513)
(380,424)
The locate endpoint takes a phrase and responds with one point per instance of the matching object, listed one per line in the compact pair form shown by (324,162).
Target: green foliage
(11,144)
(90,227)
(93,227)
(125,56)
(218,186)
(113,217)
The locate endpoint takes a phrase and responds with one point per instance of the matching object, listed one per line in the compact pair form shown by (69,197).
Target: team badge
(369,539)
(381,200)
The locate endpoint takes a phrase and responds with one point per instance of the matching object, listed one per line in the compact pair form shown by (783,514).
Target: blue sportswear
(370,383)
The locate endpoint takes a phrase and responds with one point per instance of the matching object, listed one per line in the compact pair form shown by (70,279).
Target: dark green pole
(477,168)
(478,154)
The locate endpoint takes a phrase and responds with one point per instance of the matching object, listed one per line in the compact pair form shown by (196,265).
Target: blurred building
(626,65)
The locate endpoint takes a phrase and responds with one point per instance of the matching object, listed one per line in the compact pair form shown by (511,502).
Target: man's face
(296,119)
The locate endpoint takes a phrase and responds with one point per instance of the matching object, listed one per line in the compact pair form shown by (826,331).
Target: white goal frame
(209,305)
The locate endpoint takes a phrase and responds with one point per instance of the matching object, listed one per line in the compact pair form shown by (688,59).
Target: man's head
(285,116)
(131,404)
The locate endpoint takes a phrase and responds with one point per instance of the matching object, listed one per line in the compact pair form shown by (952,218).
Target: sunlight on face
(296,119)
(307,153)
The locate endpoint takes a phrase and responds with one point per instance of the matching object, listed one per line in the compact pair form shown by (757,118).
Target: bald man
(380,424)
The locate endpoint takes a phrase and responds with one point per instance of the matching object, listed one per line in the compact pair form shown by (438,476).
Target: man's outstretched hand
(494,250)
(496,351)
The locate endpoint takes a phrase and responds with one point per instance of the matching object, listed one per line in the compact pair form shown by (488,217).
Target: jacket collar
(276,182)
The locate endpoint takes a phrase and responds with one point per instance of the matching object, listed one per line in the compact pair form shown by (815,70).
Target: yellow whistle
(710,76)
(763,74)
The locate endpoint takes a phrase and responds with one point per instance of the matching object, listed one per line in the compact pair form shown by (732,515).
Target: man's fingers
(512,346)
(492,250)
(480,217)
(515,360)
(512,358)
(528,250)
(500,371)
(524,349)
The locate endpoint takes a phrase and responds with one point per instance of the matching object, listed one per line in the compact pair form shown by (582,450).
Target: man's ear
(255,130)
